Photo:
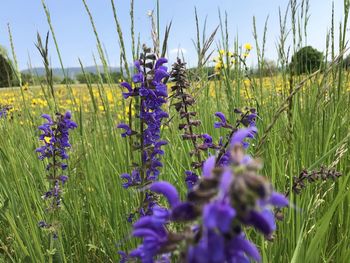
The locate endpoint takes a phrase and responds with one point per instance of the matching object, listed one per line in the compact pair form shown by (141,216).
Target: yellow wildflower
(218,66)
(248,46)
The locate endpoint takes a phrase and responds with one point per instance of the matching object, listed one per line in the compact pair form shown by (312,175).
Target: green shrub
(6,73)
(306,60)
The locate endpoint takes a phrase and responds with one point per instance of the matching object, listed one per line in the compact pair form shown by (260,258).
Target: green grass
(312,131)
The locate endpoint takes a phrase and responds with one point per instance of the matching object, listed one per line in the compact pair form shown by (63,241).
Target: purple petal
(137,65)
(221,116)
(218,215)
(142,232)
(263,221)
(68,115)
(226,180)
(184,212)
(216,244)
(277,199)
(240,135)
(126,128)
(160,74)
(239,243)
(207,138)
(47,117)
(137,78)
(126,85)
(160,62)
(208,166)
(168,190)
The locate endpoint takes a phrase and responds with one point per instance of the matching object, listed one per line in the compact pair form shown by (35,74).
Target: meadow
(303,125)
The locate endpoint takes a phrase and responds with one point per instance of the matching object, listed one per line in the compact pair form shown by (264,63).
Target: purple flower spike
(55,137)
(168,190)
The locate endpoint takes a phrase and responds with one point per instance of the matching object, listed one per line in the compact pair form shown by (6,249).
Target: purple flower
(128,86)
(239,247)
(208,166)
(263,220)
(240,135)
(55,137)
(123,257)
(225,201)
(191,179)
(153,93)
(160,62)
(131,180)
(168,190)
(223,121)
(128,131)
(63,178)
(153,232)
(4,111)
(210,249)
(207,142)
(278,200)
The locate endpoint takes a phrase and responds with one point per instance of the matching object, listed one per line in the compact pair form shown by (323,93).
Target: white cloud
(176,51)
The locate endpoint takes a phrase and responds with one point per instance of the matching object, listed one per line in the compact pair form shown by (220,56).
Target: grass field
(303,124)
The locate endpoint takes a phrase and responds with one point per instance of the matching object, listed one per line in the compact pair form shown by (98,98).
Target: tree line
(305,60)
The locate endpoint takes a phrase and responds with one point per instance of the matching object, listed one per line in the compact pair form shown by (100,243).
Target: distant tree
(29,78)
(88,77)
(306,60)
(269,68)
(346,62)
(67,80)
(115,77)
(56,79)
(6,72)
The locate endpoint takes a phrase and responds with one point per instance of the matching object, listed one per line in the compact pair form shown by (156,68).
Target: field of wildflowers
(173,164)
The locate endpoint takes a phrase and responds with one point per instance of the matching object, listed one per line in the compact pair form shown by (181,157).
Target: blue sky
(76,39)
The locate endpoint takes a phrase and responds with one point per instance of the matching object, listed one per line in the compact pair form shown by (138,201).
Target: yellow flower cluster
(226,59)
(221,60)
(37,99)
